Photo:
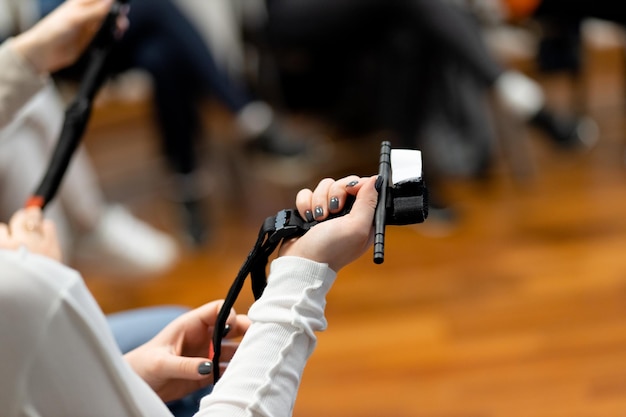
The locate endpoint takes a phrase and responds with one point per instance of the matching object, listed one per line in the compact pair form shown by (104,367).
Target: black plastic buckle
(288,224)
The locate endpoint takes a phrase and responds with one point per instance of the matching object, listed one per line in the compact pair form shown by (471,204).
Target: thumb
(366,199)
(194,369)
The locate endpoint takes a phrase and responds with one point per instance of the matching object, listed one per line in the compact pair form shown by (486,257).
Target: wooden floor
(518,311)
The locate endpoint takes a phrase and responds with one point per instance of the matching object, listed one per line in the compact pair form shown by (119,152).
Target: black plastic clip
(288,224)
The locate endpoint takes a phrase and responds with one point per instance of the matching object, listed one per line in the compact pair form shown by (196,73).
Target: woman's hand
(28,228)
(58,39)
(341,240)
(175,362)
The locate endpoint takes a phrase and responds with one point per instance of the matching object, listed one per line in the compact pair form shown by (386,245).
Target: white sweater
(59,357)
(18,82)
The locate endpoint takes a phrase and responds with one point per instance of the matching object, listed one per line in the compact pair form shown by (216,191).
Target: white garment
(18,82)
(59,357)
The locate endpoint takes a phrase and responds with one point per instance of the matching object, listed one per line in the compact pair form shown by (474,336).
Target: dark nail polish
(205,368)
(379,183)
(309,216)
(352,184)
(319,212)
(334,203)
(227,329)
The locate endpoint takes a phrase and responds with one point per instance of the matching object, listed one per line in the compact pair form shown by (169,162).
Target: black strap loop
(286,224)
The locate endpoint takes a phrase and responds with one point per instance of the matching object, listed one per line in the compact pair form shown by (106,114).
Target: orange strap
(35,201)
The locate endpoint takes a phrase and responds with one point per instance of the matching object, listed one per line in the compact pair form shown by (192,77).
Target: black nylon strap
(286,224)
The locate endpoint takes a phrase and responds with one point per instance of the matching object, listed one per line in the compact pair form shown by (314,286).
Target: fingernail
(205,368)
(379,183)
(308,215)
(319,212)
(226,330)
(352,184)
(334,203)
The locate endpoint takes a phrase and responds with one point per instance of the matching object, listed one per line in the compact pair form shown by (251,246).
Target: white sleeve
(19,82)
(61,358)
(263,377)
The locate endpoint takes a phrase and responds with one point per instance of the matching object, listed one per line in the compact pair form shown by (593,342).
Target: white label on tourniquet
(406,165)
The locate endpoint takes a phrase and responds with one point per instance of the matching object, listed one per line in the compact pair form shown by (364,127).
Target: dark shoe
(195,221)
(567,133)
(190,194)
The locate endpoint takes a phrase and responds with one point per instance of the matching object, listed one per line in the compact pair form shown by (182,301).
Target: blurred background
(510,300)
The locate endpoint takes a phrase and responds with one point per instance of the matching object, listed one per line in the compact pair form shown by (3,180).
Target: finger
(238,326)
(304,205)
(203,316)
(366,200)
(33,219)
(186,368)
(320,199)
(338,193)
(200,324)
(205,367)
(196,325)
(25,222)
(17,219)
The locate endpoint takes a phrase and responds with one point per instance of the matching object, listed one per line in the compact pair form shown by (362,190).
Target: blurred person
(560,44)
(324,25)
(50,314)
(559,26)
(417,68)
(162,41)
(516,11)
(31,116)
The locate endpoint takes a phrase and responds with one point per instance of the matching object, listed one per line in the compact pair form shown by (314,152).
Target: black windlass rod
(383,184)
